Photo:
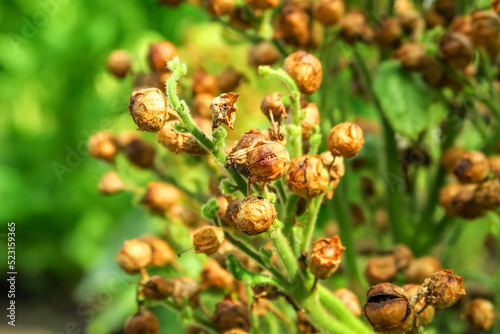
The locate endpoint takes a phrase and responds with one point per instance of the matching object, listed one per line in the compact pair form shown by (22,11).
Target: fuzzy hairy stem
(283,251)
(311,216)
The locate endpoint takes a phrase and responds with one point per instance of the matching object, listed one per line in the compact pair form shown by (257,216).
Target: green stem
(196,319)
(283,251)
(310,223)
(290,211)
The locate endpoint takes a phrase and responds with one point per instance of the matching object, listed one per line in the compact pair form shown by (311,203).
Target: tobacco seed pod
(230,217)
(214,276)
(177,142)
(264,53)
(463,203)
(204,83)
(159,55)
(267,161)
(247,140)
(162,253)
(305,69)
(487,195)
(207,239)
(388,34)
(329,12)
(255,215)
(354,28)
(345,139)
(324,259)
(463,25)
(349,299)
(150,109)
(140,153)
(494,164)
(272,105)
(403,256)
(158,288)
(219,7)
(312,119)
(160,197)
(143,322)
(336,169)
(456,50)
(103,146)
(411,56)
(201,105)
(485,31)
(381,269)
(307,177)
(293,25)
(110,184)
(495,6)
(134,255)
(479,313)
(223,110)
(472,168)
(446,197)
(451,156)
(424,316)
(442,289)
(262,4)
(231,314)
(421,268)
(411,22)
(277,136)
(119,63)
(229,79)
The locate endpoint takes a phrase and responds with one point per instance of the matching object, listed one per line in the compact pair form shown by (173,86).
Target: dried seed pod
(140,153)
(158,288)
(307,177)
(204,83)
(403,256)
(388,309)
(462,25)
(472,168)
(412,56)
(495,6)
(485,31)
(214,276)
(494,164)
(255,215)
(463,203)
(231,314)
(451,156)
(411,23)
(143,322)
(201,105)
(229,79)
(262,4)
(305,69)
(177,142)
(134,255)
(223,110)
(487,195)
(264,53)
(312,119)
(336,169)
(388,34)
(207,239)
(425,313)
(150,109)
(186,288)
(162,253)
(349,299)
(381,269)
(421,268)
(102,145)
(247,140)
(219,7)
(160,197)
(159,55)
(231,214)
(479,313)
(273,108)
(345,139)
(433,18)
(267,161)
(324,259)
(354,28)
(110,184)
(119,63)
(442,289)
(446,197)
(293,25)
(329,12)
(456,50)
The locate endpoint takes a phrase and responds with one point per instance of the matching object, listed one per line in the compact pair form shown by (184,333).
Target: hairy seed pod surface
(305,69)
(255,215)
(150,109)
(134,255)
(207,239)
(307,177)
(345,139)
(324,258)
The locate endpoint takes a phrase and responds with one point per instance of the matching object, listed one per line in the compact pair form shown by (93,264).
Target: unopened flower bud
(307,177)
(140,153)
(442,289)
(329,12)
(487,195)
(207,239)
(312,119)
(204,83)
(231,314)
(412,56)
(219,7)
(177,142)
(158,288)
(293,25)
(214,276)
(134,255)
(110,183)
(119,63)
(479,313)
(103,146)
(381,269)
(223,110)
(472,168)
(305,69)
(201,105)
(162,253)
(425,314)
(262,4)
(349,299)
(160,197)
(150,109)
(255,215)
(456,50)
(324,259)
(354,28)
(403,256)
(263,53)
(451,156)
(345,139)
(229,79)
(420,268)
(388,34)
(272,106)
(388,309)
(159,55)
(143,322)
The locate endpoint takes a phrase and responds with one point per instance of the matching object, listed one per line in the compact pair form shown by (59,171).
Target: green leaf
(210,209)
(405,99)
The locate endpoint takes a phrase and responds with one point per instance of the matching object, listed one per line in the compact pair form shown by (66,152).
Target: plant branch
(310,223)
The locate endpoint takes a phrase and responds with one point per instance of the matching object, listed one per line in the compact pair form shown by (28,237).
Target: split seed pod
(143,322)
(255,215)
(134,255)
(336,169)
(307,177)
(264,53)
(324,259)
(305,69)
(442,289)
(223,109)
(345,139)
(273,108)
(207,239)
(150,109)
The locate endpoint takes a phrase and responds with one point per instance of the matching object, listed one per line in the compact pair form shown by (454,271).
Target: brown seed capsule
(305,70)
(495,6)
(420,268)
(381,269)
(201,105)
(485,30)
(451,156)
(388,309)
(103,146)
(214,276)
(255,215)
(263,53)
(140,153)
(158,288)
(267,161)
(229,79)
(143,322)
(184,214)
(463,203)
(456,50)
(487,195)
(403,256)
(110,184)
(324,259)
(207,239)
(345,139)
(204,83)
(494,164)
(354,28)
(273,108)
(219,7)
(134,255)
(150,109)
(412,56)
(446,197)
(177,142)
(186,288)
(247,140)
(159,55)
(329,12)
(472,168)
(232,212)
(293,25)
(262,4)
(479,313)
(231,314)
(223,110)
(119,63)
(160,197)
(307,177)
(442,289)
(463,25)
(312,119)
(411,22)
(349,299)
(336,169)
(162,253)
(425,314)
(388,34)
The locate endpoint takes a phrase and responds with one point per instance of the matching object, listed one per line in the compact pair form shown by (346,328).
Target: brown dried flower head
(263,53)
(349,299)
(273,108)
(177,142)
(307,177)
(329,12)
(214,276)
(247,140)
(442,289)
(472,168)
(110,183)
(231,314)
(412,56)
(160,197)
(159,55)
(381,269)
(158,288)
(403,256)
(134,255)
(150,109)
(487,195)
(229,79)
(425,314)
(479,313)
(119,63)
(421,268)
(255,215)
(456,49)
(207,239)
(388,309)
(293,25)
(143,322)
(162,253)
(324,259)
(451,156)
(354,28)
(102,145)
(140,153)
(223,109)
(388,34)
(485,30)
(305,69)
(312,118)
(345,139)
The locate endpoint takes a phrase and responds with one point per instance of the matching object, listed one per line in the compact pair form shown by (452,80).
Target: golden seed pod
(110,184)
(412,56)
(464,205)
(329,12)
(150,109)
(487,195)
(381,270)
(345,139)
(293,25)
(231,214)
(186,288)
(480,314)
(264,53)
(354,28)
(267,161)
(495,6)
(201,105)
(485,31)
(451,156)
(442,289)
(159,55)
(214,276)
(247,140)
(349,299)
(219,7)
(305,69)
(134,255)
(140,153)
(262,4)
(177,142)
(229,79)
(207,239)
(102,145)
(230,315)
(272,105)
(255,215)
(158,288)
(324,259)
(118,63)
(457,50)
(307,177)
(421,268)
(312,119)
(143,322)
(388,34)
(446,197)
(425,314)
(411,23)
(388,309)
(162,253)
(403,256)
(472,167)
(160,197)
(223,110)
(204,83)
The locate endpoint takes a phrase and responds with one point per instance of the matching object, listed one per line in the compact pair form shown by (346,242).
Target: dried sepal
(325,257)
(223,109)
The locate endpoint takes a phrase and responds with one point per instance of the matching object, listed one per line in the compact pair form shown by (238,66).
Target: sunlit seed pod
(134,255)
(411,22)
(325,257)
(494,164)
(162,253)
(305,69)
(472,167)
(267,161)
(480,314)
(143,322)
(411,56)
(312,118)
(279,136)
(102,145)
(158,288)
(110,184)
(159,55)
(150,109)
(451,156)
(214,276)
(329,12)
(255,215)
(388,34)
(349,299)
(247,140)
(442,289)
(307,177)
(485,31)
(425,313)
(462,25)
(160,197)
(345,139)
(272,105)
(457,50)
(231,314)
(140,153)
(354,28)
(207,239)
(381,270)
(464,204)
(403,256)
(118,63)
(421,268)
(293,25)
(446,197)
